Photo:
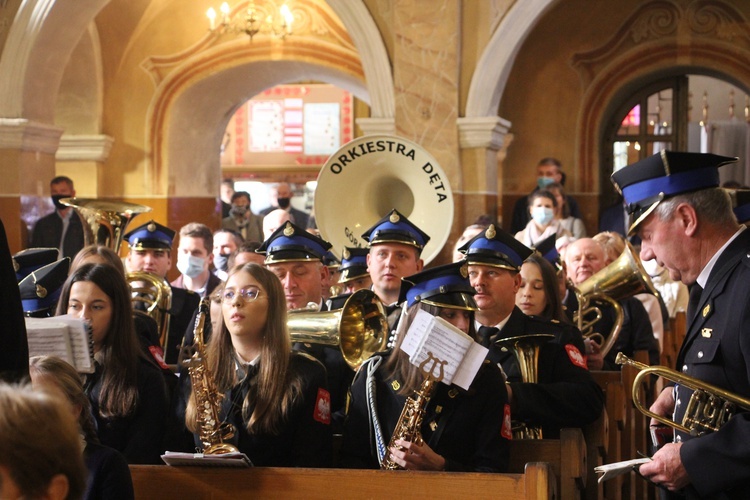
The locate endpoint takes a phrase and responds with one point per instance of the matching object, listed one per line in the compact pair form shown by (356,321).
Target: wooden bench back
(217,483)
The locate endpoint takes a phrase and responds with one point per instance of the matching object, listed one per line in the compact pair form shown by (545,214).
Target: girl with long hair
(127,391)
(275,398)
(462,429)
(108,472)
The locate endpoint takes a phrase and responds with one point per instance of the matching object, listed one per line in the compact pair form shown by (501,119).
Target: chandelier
(277,24)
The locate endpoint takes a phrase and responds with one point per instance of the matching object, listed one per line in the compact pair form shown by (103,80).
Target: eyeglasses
(248,294)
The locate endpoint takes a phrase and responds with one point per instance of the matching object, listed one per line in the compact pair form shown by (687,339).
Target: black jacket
(565,394)
(467,424)
(137,436)
(48,232)
(716,350)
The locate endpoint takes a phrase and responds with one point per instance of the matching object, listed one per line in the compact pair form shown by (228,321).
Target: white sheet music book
(432,334)
(608,471)
(199,459)
(66,337)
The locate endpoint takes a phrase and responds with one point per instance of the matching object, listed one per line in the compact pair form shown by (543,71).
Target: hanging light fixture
(278,25)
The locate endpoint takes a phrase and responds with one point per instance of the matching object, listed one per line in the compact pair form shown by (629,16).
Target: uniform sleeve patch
(576,357)
(507,430)
(322,411)
(158,355)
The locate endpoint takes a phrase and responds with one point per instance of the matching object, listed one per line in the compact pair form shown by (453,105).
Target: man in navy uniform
(566,394)
(41,289)
(296,258)
(686,223)
(395,245)
(151,252)
(354,275)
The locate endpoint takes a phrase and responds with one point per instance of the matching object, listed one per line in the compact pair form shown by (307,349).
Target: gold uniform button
(700,354)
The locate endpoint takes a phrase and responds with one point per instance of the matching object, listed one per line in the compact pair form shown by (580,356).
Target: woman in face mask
(562,213)
(542,205)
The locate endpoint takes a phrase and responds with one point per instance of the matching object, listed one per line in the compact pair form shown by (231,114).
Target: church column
(426,61)
(27,164)
(481,138)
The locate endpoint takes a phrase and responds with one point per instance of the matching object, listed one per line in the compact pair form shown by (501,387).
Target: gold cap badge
(490,233)
(346,254)
(151,227)
(41,292)
(288,230)
(394,218)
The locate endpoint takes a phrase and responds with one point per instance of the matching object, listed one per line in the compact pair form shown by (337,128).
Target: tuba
(621,279)
(105,221)
(709,407)
(386,172)
(410,421)
(213,433)
(359,328)
(526,350)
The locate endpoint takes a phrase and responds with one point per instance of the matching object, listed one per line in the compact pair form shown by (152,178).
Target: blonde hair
(39,439)
(612,243)
(67,379)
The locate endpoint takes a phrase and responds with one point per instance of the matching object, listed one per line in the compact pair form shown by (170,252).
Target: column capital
(482,131)
(20,133)
(84,148)
(372,126)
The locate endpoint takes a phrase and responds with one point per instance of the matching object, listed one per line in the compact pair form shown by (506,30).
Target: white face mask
(190,265)
(542,215)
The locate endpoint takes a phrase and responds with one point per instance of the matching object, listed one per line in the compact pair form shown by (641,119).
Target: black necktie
(486,333)
(695,297)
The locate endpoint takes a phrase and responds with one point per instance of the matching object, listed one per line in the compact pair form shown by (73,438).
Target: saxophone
(410,422)
(213,433)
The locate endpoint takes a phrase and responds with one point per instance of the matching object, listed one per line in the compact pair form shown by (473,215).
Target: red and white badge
(158,355)
(576,357)
(322,411)
(507,430)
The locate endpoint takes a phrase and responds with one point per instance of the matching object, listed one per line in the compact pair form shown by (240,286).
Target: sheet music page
(608,471)
(81,343)
(48,337)
(471,364)
(175,458)
(416,332)
(446,343)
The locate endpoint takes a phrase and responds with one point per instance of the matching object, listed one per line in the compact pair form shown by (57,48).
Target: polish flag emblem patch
(507,430)
(576,357)
(322,411)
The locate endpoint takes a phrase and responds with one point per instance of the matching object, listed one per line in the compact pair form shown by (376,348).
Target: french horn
(359,328)
(622,278)
(378,173)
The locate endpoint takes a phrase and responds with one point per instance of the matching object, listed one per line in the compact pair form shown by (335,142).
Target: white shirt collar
(706,272)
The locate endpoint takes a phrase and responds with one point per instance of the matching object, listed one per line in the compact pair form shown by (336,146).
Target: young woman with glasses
(275,398)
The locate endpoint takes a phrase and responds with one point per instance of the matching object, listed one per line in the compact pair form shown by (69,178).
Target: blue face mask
(189,265)
(221,262)
(542,215)
(543,182)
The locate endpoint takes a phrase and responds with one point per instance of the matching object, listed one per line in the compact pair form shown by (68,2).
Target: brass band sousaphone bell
(359,329)
(105,221)
(368,177)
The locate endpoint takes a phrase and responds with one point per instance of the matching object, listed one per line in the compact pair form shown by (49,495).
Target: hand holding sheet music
(432,334)
(608,471)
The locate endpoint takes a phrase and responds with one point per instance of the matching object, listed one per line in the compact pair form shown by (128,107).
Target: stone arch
(492,71)
(206,90)
(43,35)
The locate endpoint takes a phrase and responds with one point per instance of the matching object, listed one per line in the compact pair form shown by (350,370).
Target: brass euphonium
(526,350)
(709,407)
(622,278)
(213,433)
(359,328)
(410,422)
(105,221)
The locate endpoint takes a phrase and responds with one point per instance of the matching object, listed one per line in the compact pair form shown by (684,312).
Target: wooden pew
(567,457)
(217,483)
(616,406)
(597,444)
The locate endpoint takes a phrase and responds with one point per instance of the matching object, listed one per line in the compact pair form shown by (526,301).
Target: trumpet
(709,407)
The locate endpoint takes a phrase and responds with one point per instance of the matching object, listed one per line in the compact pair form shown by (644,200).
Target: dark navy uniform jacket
(565,395)
(717,350)
(462,426)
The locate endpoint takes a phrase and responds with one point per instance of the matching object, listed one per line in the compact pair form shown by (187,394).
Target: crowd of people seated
(284,400)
